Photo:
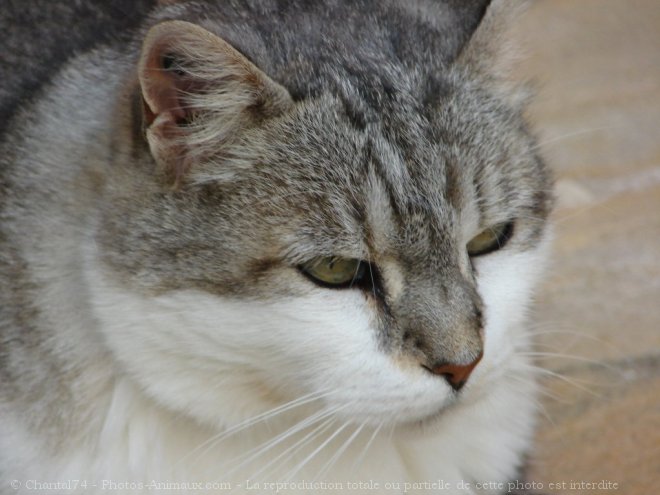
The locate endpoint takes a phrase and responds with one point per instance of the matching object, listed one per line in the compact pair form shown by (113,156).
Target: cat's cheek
(223,360)
(335,349)
(506,282)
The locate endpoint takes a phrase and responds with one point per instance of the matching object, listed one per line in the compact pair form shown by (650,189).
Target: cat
(267,245)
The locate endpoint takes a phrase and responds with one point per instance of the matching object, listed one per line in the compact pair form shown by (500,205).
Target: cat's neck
(130,438)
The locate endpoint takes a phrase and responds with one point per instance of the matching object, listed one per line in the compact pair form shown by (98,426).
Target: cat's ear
(488,49)
(199,94)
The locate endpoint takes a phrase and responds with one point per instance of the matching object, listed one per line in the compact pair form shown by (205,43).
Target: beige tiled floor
(597,68)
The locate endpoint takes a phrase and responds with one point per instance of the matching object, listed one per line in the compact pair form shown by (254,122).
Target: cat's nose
(455,374)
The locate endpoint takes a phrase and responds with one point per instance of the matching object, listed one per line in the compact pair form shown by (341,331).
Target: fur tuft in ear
(199,93)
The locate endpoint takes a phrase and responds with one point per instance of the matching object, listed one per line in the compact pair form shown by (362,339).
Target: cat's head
(355,219)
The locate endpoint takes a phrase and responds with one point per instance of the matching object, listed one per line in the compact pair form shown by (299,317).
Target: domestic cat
(269,241)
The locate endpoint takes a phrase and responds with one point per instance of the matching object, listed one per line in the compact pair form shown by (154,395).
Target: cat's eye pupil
(490,239)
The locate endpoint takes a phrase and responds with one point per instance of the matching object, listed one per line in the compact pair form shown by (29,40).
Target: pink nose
(456,374)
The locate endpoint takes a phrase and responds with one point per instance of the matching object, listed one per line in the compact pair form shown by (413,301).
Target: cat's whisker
(360,458)
(559,376)
(539,330)
(390,435)
(544,411)
(265,416)
(574,134)
(570,343)
(558,355)
(252,455)
(557,398)
(571,214)
(328,465)
(283,458)
(249,456)
(541,344)
(576,212)
(541,390)
(558,218)
(289,476)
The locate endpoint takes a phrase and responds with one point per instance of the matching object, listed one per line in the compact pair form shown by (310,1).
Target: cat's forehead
(381,123)
(403,182)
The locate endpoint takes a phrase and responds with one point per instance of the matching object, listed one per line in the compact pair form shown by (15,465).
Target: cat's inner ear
(199,94)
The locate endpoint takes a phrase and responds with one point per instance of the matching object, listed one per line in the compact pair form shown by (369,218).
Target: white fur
(192,366)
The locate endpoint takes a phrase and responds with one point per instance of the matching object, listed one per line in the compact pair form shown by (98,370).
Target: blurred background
(596,68)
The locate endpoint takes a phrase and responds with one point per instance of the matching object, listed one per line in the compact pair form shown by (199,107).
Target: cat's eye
(491,239)
(331,271)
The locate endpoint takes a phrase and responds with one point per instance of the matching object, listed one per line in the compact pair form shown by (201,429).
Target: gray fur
(39,36)
(387,123)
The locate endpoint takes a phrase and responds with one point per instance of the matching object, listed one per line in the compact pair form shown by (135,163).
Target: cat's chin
(430,420)
(412,413)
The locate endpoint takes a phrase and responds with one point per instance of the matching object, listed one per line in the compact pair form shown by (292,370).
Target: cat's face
(221,298)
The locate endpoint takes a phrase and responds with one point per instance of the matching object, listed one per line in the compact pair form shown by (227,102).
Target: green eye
(331,271)
(491,239)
